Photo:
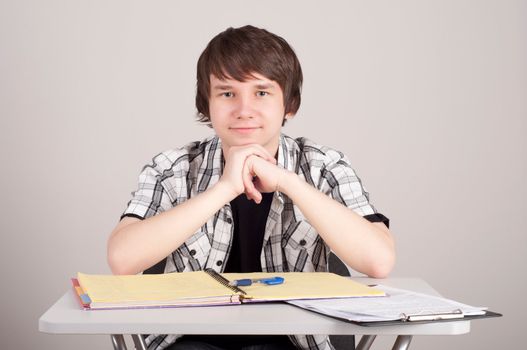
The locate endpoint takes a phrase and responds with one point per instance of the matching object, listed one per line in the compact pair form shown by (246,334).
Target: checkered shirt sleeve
(158,185)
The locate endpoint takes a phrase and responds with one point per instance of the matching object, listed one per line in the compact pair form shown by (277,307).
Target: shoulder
(314,153)
(183,157)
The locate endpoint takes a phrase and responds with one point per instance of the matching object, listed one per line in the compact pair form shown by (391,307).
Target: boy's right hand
(233,171)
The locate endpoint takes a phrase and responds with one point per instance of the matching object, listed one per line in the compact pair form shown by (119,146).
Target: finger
(256,195)
(250,189)
(268,156)
(254,149)
(247,180)
(258,185)
(258,198)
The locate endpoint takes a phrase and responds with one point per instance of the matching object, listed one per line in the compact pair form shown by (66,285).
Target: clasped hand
(252,170)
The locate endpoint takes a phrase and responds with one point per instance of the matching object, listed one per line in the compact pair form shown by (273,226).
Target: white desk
(66,317)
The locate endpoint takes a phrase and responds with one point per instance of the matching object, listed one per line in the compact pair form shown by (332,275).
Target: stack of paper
(398,305)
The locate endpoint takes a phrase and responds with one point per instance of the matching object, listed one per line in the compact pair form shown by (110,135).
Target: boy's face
(247,112)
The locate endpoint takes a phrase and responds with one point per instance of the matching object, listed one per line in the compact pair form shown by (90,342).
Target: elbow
(115,267)
(121,252)
(382,268)
(384,258)
(380,271)
(117,261)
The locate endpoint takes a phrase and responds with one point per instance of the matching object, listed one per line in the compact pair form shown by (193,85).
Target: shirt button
(192,252)
(229,221)
(303,242)
(219,263)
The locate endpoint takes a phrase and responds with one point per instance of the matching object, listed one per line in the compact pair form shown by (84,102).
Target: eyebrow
(264,86)
(222,87)
(259,86)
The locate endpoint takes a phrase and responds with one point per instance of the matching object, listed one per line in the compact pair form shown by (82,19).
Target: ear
(289,116)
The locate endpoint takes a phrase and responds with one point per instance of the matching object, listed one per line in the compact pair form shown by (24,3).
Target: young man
(249,198)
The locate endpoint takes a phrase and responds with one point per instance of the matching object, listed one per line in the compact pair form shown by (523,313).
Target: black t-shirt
(249,230)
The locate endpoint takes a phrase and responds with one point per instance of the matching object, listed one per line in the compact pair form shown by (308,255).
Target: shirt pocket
(298,243)
(193,254)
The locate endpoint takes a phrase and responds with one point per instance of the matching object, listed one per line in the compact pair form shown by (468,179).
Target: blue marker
(247,281)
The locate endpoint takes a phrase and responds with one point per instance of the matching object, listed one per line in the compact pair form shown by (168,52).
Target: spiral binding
(224,281)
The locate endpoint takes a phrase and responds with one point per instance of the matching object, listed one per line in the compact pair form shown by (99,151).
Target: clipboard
(405,321)
(398,307)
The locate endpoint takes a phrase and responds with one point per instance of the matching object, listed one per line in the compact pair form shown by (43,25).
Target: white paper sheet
(396,305)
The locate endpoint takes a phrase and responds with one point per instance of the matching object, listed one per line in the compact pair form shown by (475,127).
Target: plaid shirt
(290,242)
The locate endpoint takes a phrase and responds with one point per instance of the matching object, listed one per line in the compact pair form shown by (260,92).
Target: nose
(244,108)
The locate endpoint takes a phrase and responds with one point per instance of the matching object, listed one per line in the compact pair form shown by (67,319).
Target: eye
(227,94)
(262,93)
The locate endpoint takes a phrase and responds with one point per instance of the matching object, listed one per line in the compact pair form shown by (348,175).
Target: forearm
(139,245)
(363,246)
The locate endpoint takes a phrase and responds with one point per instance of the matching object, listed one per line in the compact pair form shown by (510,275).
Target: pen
(248,281)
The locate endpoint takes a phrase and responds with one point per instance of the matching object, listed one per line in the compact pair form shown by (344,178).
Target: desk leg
(402,342)
(365,342)
(139,342)
(118,342)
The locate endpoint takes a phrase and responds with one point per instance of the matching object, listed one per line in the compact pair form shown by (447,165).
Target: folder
(202,288)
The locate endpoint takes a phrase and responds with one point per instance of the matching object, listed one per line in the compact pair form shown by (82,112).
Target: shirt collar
(285,157)
(211,166)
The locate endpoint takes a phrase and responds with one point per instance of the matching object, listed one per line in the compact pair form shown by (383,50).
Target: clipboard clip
(432,316)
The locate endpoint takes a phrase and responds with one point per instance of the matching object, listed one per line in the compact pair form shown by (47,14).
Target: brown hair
(239,52)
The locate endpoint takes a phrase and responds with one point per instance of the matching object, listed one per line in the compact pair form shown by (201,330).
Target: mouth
(244,129)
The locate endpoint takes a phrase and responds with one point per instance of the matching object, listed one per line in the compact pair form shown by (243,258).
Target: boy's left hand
(261,176)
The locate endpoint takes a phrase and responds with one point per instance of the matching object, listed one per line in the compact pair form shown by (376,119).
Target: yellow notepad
(202,288)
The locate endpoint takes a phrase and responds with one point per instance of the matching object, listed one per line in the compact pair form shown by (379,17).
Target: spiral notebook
(203,288)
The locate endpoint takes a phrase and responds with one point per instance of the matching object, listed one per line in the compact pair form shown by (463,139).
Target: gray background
(427,98)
